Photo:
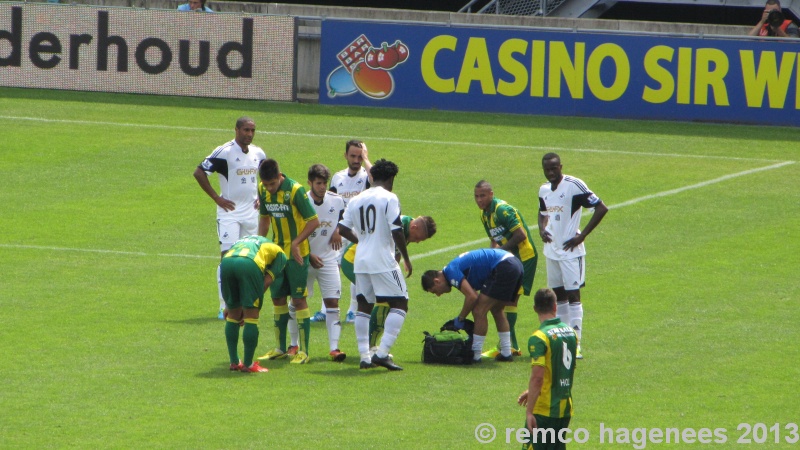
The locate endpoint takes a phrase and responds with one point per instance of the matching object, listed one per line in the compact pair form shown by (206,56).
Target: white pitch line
(627,203)
(384,138)
(434,252)
(98,250)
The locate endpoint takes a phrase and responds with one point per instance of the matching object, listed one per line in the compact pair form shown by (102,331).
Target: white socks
(477,346)
(505,343)
(362,335)
(394,322)
(576,318)
(334,327)
(562,311)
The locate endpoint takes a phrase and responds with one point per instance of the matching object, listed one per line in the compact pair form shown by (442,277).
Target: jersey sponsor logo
(246,171)
(561,332)
(325,223)
(277,207)
(349,194)
(555,208)
(497,232)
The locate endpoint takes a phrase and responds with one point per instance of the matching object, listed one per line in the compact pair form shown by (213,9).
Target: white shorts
(569,273)
(327,276)
(231,230)
(380,287)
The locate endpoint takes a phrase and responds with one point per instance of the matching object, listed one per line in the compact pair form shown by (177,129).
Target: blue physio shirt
(475,266)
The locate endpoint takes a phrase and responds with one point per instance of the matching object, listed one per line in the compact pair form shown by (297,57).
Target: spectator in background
(773,22)
(195,5)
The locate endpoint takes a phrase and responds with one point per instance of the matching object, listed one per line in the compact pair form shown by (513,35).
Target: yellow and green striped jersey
(500,221)
(289,210)
(553,347)
(268,257)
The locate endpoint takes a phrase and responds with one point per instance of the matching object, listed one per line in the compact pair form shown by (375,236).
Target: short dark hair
(383,170)
(319,171)
(544,300)
(427,279)
(244,119)
(551,155)
(269,170)
(483,184)
(430,225)
(773,2)
(353,143)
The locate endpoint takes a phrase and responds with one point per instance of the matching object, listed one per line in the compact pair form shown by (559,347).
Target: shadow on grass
(731,131)
(195,321)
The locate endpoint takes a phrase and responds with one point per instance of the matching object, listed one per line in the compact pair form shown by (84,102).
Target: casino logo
(366,69)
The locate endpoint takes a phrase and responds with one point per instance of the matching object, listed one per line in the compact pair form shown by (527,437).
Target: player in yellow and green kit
(284,204)
(246,270)
(507,230)
(415,230)
(548,399)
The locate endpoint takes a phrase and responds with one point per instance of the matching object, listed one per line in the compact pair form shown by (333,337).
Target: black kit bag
(448,346)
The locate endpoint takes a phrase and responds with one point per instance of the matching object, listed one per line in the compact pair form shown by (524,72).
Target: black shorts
(504,281)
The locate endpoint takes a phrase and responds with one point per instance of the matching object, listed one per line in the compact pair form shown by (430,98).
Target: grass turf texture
(690,322)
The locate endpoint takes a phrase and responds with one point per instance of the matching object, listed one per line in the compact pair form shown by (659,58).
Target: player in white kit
(348,183)
(372,219)
(560,203)
(236,162)
(325,244)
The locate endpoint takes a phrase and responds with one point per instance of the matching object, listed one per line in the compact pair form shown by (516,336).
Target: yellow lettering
(428,64)
(622,76)
(505,57)
(561,64)
(766,76)
(705,77)
(476,67)
(659,74)
(684,75)
(537,69)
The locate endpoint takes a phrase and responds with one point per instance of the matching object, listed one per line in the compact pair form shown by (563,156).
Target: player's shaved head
(550,156)
(483,184)
(243,120)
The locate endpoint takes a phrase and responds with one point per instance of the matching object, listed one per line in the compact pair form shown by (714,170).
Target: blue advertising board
(527,71)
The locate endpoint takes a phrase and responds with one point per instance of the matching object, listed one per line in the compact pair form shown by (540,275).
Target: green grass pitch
(108,294)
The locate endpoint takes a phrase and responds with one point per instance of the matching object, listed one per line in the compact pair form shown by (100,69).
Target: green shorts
(528,274)
(293,281)
(348,257)
(544,425)
(242,283)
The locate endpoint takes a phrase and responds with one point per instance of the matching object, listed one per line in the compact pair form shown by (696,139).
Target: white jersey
(372,216)
(563,209)
(348,187)
(238,178)
(328,213)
